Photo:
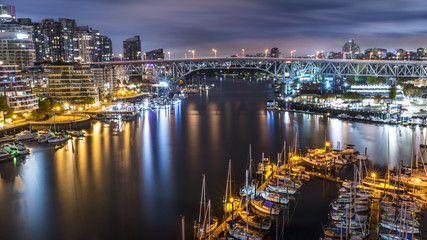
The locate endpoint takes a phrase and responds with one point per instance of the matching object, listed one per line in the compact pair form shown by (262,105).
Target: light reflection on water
(131,179)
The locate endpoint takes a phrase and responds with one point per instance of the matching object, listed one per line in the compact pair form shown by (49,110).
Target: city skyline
(306,26)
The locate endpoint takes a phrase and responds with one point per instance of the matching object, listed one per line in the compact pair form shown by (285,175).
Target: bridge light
(163,84)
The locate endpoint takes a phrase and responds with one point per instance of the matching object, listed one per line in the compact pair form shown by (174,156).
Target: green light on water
(14,161)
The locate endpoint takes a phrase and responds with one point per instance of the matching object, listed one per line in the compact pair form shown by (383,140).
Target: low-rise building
(68,83)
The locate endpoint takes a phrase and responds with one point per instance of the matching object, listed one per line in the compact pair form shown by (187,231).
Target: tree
(414,91)
(89,100)
(392,93)
(351,80)
(3,104)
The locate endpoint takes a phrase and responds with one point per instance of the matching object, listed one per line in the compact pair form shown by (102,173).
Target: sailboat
(230,202)
(242,231)
(205,224)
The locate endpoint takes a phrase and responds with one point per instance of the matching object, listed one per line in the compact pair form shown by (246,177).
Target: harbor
(153,151)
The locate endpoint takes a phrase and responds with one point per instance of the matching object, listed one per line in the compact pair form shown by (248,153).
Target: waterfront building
(155,54)
(69,83)
(16,44)
(20,98)
(7,13)
(104,79)
(132,48)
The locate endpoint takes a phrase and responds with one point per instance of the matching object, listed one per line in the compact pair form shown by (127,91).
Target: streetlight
(120,55)
(374,175)
(266,51)
(214,51)
(398,56)
(379,55)
(145,56)
(370,55)
(351,54)
(192,51)
(317,54)
(169,54)
(243,52)
(185,55)
(292,53)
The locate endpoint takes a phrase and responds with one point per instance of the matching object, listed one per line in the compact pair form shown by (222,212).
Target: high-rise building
(351,46)
(105,48)
(7,13)
(69,83)
(67,36)
(420,53)
(132,48)
(84,44)
(16,44)
(52,38)
(20,98)
(274,53)
(155,54)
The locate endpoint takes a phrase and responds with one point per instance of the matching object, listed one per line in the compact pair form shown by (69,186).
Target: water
(136,180)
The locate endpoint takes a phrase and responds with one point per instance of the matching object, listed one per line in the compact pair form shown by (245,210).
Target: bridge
(283,69)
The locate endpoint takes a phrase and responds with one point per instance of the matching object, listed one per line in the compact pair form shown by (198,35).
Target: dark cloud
(230,25)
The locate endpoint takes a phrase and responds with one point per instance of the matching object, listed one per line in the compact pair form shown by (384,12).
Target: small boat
(26,135)
(391,236)
(5,155)
(255,221)
(16,149)
(240,231)
(274,197)
(282,189)
(340,216)
(77,133)
(400,228)
(58,139)
(7,139)
(265,206)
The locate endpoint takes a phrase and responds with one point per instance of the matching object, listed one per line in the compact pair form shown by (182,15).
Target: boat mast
(202,198)
(250,161)
(247,211)
(262,169)
(417,147)
(412,150)
(388,157)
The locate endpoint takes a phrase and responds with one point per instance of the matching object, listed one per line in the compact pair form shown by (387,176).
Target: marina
(305,192)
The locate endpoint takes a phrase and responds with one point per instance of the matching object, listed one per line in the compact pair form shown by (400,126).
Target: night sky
(230,25)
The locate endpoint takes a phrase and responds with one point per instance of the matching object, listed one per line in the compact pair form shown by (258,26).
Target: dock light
(327,144)
(231,199)
(80,109)
(417,180)
(14,116)
(58,108)
(373,175)
(66,105)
